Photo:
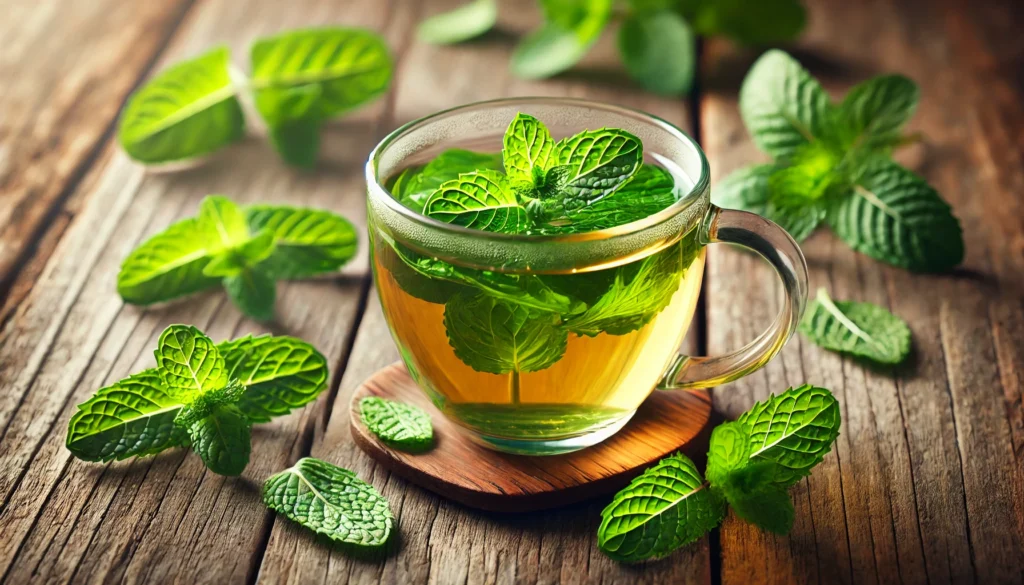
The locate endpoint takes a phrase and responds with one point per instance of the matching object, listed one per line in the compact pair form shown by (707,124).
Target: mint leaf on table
(498,337)
(189,110)
(571,27)
(876,110)
(529,150)
(670,505)
(894,216)
(253,291)
(307,242)
(659,51)
(189,363)
(749,23)
(860,329)
(400,425)
(222,439)
(749,189)
(132,417)
(468,21)
(279,373)
(480,200)
(331,501)
(302,78)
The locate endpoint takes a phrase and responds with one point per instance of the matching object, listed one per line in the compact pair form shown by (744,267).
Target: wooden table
(925,484)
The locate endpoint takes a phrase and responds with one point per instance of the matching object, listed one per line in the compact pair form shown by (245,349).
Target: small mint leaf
(528,150)
(480,200)
(189,363)
(400,425)
(222,439)
(204,404)
(254,292)
(860,329)
(659,51)
(876,110)
(594,164)
(749,189)
(461,24)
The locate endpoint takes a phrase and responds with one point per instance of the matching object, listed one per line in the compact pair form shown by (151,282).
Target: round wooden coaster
(459,469)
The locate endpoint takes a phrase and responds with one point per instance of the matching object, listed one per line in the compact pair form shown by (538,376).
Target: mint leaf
(186,111)
(461,24)
(860,329)
(498,337)
(572,27)
(204,405)
(132,417)
(189,363)
(304,77)
(667,507)
(307,242)
(279,373)
(749,189)
(770,508)
(253,292)
(592,165)
(894,216)
(783,107)
(728,452)
(749,23)
(330,501)
(793,430)
(220,216)
(400,425)
(528,150)
(659,51)
(649,191)
(414,184)
(480,200)
(234,261)
(222,439)
(877,109)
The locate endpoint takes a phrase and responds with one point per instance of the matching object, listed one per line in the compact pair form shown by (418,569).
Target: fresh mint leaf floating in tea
(480,200)
(468,21)
(400,425)
(833,164)
(751,464)
(300,79)
(331,501)
(245,249)
(200,393)
(860,329)
(414,184)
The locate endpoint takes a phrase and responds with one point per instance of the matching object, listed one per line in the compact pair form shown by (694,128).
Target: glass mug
(545,344)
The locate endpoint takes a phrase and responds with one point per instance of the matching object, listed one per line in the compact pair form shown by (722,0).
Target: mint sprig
(300,79)
(245,249)
(201,394)
(833,164)
(751,463)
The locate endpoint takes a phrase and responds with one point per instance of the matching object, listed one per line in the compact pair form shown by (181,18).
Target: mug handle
(782,252)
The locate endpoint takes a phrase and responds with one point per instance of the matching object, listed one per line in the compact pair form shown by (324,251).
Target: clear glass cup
(544,344)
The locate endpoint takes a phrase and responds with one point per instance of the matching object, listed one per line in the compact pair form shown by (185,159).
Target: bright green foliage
(659,51)
(750,23)
(667,507)
(204,404)
(876,110)
(189,363)
(132,417)
(529,151)
(400,425)
(331,501)
(594,164)
(749,189)
(571,27)
(460,24)
(307,242)
(186,111)
(253,291)
(222,439)
(302,78)
(495,336)
(414,184)
(480,200)
(769,508)
(860,329)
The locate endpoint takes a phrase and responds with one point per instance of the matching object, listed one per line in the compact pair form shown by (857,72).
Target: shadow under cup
(537,344)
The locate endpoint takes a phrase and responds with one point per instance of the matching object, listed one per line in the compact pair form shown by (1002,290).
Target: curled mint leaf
(468,21)
(189,363)
(186,111)
(480,200)
(400,425)
(667,507)
(331,501)
(860,329)
(592,165)
(894,216)
(528,150)
(659,51)
(498,337)
(222,439)
(130,418)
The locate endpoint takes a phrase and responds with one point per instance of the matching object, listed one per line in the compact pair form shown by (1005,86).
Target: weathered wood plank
(924,484)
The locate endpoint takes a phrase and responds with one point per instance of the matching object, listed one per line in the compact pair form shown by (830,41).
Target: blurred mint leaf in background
(659,51)
(571,27)
(460,24)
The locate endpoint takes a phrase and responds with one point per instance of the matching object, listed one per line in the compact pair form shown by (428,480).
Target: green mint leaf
(498,337)
(480,200)
(649,191)
(592,165)
(301,78)
(132,417)
(461,24)
(414,184)
(811,171)
(728,452)
(307,242)
(793,430)
(414,274)
(189,363)
(877,109)
(749,189)
(750,23)
(331,501)
(400,425)
(571,28)
(279,373)
(204,404)
(528,149)
(770,508)
(235,260)
(223,439)
(861,329)
(659,51)
(667,507)
(640,291)
(254,292)
(895,216)
(186,111)
(783,107)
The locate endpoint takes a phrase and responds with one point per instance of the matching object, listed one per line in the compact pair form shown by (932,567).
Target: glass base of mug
(548,446)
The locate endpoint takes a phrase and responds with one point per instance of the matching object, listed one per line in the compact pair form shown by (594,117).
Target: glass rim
(700,184)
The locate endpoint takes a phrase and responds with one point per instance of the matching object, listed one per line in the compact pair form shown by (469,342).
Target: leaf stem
(513,387)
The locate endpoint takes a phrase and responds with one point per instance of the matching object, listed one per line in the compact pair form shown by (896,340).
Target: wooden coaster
(459,469)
